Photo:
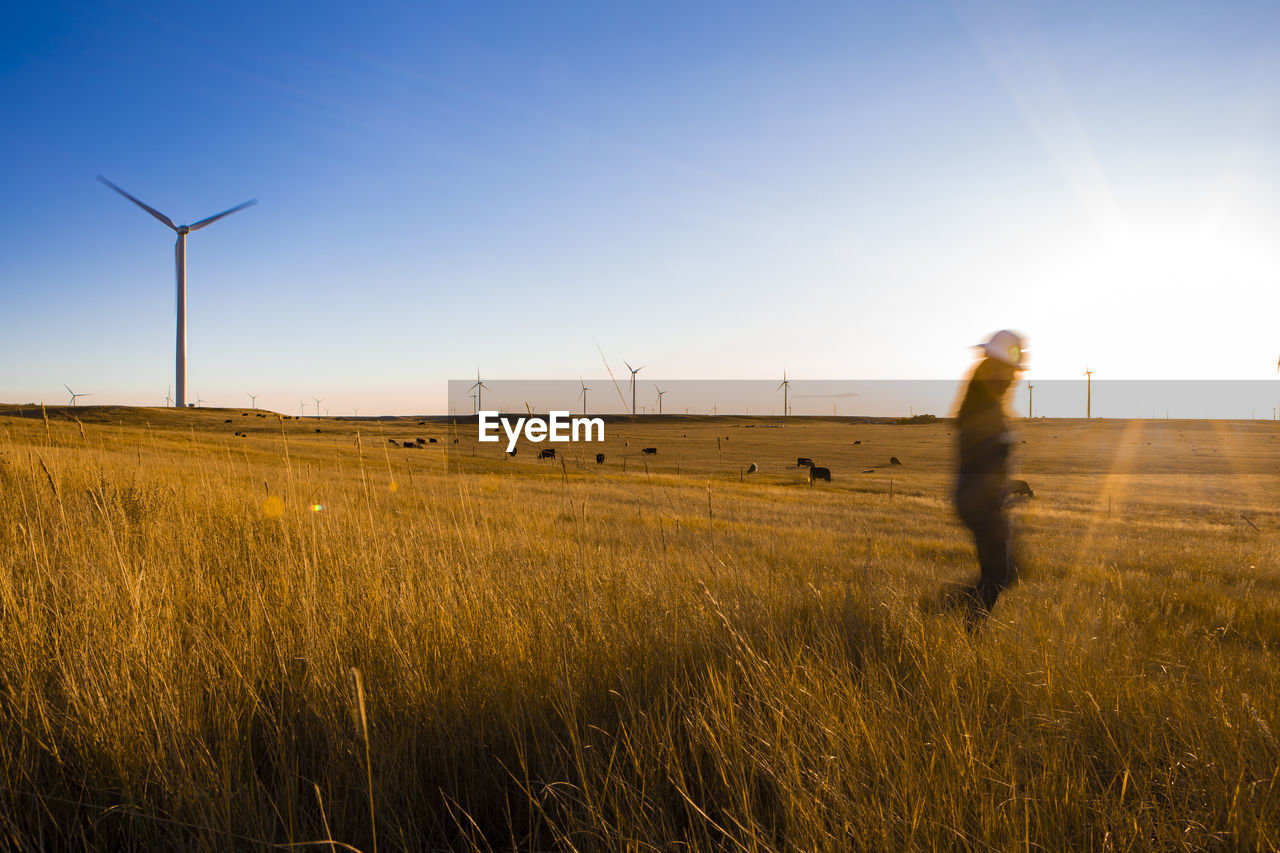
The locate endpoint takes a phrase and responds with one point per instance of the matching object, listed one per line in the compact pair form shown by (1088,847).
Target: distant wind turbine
(634,371)
(253,399)
(73,394)
(180,254)
(301,408)
(479,388)
(198,400)
(660,394)
(168,396)
(318,400)
(1088,400)
(785,387)
(583,394)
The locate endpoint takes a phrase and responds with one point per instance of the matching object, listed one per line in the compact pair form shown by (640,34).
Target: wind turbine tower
(253,399)
(478,387)
(318,400)
(180,257)
(1030,388)
(583,395)
(634,371)
(785,387)
(1088,400)
(660,395)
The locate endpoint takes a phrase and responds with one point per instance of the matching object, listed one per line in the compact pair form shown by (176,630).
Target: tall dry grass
(467,656)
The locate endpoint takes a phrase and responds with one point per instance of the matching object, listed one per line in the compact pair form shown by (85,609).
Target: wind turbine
(198,400)
(180,255)
(1088,400)
(318,400)
(634,371)
(478,387)
(73,394)
(168,396)
(785,387)
(660,393)
(583,394)
(301,408)
(1030,388)
(253,399)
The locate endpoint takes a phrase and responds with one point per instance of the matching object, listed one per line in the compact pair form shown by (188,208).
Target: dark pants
(980,503)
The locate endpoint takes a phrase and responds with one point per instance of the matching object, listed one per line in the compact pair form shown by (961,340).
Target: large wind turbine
(73,394)
(583,394)
(661,393)
(180,255)
(634,371)
(785,387)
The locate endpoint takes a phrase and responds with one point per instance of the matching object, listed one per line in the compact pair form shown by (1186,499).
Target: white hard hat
(1006,346)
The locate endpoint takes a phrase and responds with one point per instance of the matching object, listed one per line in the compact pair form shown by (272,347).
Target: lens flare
(317,507)
(273,507)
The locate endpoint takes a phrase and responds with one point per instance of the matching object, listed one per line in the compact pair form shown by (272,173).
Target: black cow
(1019,489)
(804,460)
(599,458)
(547,453)
(652,451)
(817,472)
(893,460)
(431,441)
(421,441)
(751,469)
(393,442)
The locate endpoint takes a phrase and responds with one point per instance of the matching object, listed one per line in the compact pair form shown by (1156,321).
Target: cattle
(599,458)
(817,472)
(227,421)
(651,451)
(237,433)
(393,442)
(893,460)
(409,446)
(803,461)
(431,441)
(751,469)
(1019,489)
(859,441)
(421,441)
(547,453)
(317,429)
(244,414)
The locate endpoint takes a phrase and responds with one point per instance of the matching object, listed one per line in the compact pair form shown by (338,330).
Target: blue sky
(713,190)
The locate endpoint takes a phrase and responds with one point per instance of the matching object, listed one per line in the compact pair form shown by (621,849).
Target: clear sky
(843,190)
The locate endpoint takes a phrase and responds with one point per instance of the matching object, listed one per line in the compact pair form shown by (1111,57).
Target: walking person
(982,480)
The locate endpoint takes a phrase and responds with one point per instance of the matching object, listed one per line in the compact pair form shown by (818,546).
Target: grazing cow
(859,441)
(1019,489)
(893,460)
(803,461)
(817,472)
(393,442)
(547,453)
(599,458)
(227,421)
(422,441)
(431,441)
(317,429)
(409,446)
(751,469)
(652,451)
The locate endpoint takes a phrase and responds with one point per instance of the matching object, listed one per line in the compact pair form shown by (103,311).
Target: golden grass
(463,651)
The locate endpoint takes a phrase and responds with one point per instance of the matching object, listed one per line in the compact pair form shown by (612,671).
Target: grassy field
(305,634)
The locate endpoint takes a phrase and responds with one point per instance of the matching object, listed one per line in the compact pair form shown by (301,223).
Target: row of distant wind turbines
(180,348)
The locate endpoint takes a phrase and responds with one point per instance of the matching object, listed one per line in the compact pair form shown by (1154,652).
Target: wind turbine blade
(68,387)
(148,208)
(196,226)
(628,364)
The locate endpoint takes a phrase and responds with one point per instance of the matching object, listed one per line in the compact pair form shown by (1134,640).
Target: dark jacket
(984,436)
